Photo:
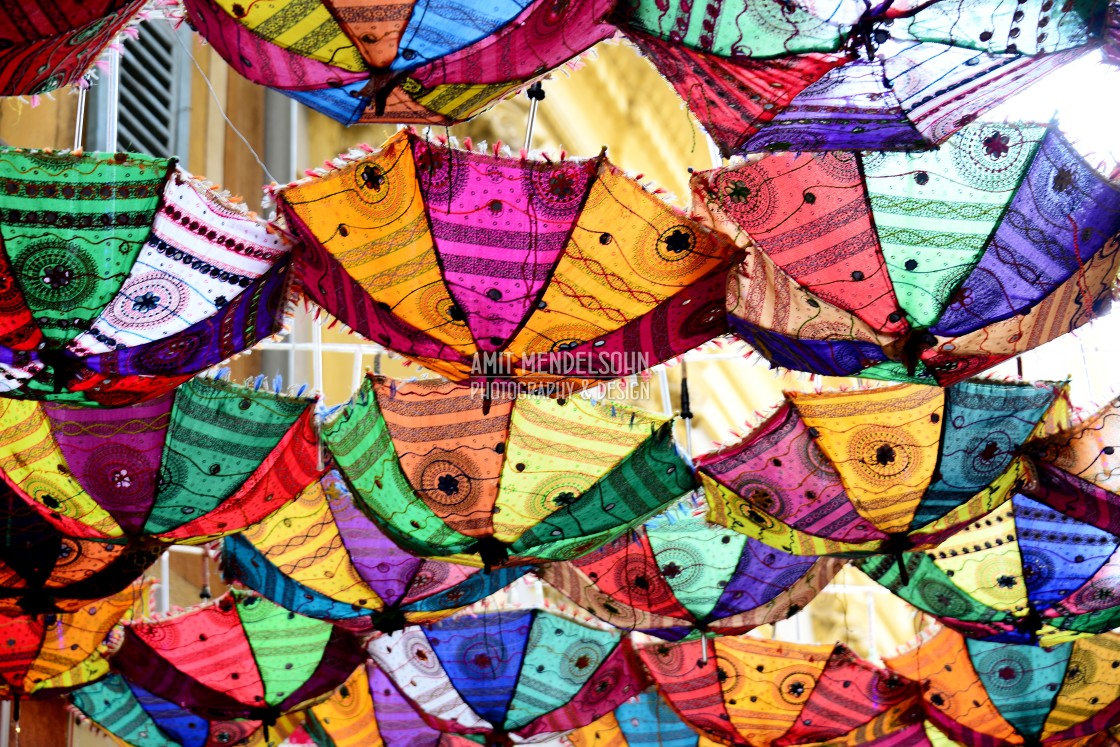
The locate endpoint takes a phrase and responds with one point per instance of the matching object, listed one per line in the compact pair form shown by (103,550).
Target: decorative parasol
(983,693)
(322,557)
(399,60)
(876,471)
(927,267)
(489,268)
(238,657)
(523,673)
(448,472)
(842,75)
(679,573)
(763,693)
(643,721)
(122,276)
(203,462)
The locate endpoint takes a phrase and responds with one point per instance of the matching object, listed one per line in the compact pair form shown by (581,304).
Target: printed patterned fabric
(48,44)
(205,461)
(984,693)
(644,721)
(133,717)
(121,276)
(527,673)
(239,657)
(43,571)
(43,655)
(846,75)
(489,268)
(322,557)
(880,470)
(447,472)
(923,267)
(429,61)
(1023,573)
(679,573)
(763,693)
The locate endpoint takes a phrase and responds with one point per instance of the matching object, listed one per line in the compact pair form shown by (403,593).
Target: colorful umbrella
(203,462)
(240,656)
(679,573)
(45,654)
(643,721)
(524,673)
(987,694)
(1024,573)
(43,571)
(322,557)
(483,267)
(121,276)
(48,44)
(760,693)
(399,60)
(927,267)
(843,75)
(447,472)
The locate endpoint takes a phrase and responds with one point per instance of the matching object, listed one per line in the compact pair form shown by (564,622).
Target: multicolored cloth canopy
(431,61)
(43,655)
(527,673)
(1024,573)
(121,276)
(239,657)
(203,462)
(679,573)
(879,470)
(848,74)
(322,557)
(483,267)
(764,693)
(47,44)
(43,571)
(448,472)
(643,721)
(984,694)
(927,267)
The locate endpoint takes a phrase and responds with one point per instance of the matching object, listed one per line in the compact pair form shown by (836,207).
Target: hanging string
(686,408)
(113,100)
(535,93)
(80,120)
(204,592)
(703,648)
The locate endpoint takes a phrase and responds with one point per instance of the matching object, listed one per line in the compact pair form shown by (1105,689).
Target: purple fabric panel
(1076,498)
(762,574)
(397,721)
(825,357)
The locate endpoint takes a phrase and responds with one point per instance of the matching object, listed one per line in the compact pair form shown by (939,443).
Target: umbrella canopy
(759,693)
(876,471)
(852,75)
(399,60)
(1023,573)
(43,571)
(123,275)
(448,472)
(679,573)
(47,44)
(322,557)
(239,657)
(43,655)
(926,267)
(526,673)
(996,694)
(642,721)
(488,268)
(205,461)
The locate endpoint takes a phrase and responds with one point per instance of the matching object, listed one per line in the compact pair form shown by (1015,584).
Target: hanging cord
(204,592)
(703,647)
(80,120)
(686,408)
(535,93)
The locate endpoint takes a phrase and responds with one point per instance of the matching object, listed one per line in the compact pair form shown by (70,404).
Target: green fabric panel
(287,647)
(1022,681)
(695,561)
(934,211)
(110,704)
(72,227)
(1097,621)
(319,735)
(561,656)
(218,436)
(360,443)
(650,478)
(993,25)
(929,589)
(895,371)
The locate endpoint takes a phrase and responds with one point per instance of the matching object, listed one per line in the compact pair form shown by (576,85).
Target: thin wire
(113,101)
(80,119)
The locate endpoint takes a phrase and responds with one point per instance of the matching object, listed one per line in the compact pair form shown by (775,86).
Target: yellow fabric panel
(601,733)
(992,574)
(1081,450)
(937,738)
(884,445)
(32,461)
(458,101)
(997,493)
(1091,684)
(768,683)
(305,27)
(347,715)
